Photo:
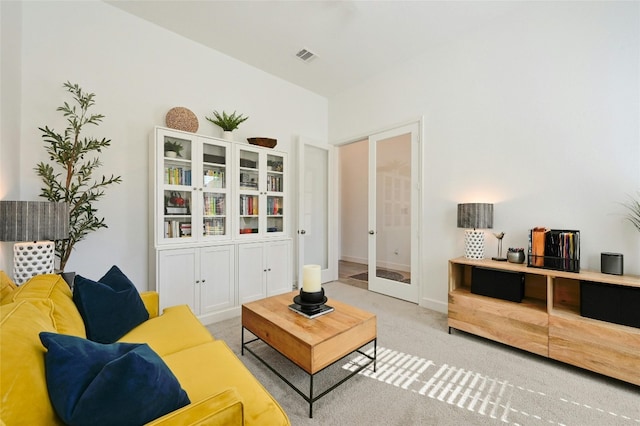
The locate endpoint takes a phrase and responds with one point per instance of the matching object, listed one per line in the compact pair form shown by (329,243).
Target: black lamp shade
(33,221)
(475,215)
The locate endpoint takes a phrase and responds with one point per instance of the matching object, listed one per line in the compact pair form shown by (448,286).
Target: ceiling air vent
(306,55)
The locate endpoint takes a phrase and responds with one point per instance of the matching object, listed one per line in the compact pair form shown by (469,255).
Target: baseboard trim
(434,305)
(220,316)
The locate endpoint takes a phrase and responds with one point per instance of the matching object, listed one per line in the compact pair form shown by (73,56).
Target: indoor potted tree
(227,122)
(68,175)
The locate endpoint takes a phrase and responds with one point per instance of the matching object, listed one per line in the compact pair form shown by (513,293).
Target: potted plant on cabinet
(68,175)
(227,122)
(172,149)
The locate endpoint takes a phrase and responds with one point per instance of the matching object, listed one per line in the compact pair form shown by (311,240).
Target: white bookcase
(207,202)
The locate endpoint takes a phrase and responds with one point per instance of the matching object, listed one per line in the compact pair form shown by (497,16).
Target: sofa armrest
(222,409)
(151,301)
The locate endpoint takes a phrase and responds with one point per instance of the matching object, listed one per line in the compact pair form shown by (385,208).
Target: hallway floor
(346,270)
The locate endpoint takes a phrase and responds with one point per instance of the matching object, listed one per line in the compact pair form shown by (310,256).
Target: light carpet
(426,376)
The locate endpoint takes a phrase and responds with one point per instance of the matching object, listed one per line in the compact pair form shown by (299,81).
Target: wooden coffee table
(311,344)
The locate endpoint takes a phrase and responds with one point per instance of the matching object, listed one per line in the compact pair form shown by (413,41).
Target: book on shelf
(210,158)
(176,210)
(274,183)
(177,229)
(274,206)
(213,204)
(214,179)
(249,205)
(177,176)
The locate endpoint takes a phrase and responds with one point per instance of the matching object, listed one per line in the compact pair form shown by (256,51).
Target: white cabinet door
(251,272)
(278,265)
(217,278)
(176,278)
(264,269)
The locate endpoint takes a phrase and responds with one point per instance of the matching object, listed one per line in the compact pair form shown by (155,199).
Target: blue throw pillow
(110,307)
(117,384)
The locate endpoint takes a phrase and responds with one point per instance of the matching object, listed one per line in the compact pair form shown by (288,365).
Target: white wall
(10,69)
(354,186)
(138,72)
(537,112)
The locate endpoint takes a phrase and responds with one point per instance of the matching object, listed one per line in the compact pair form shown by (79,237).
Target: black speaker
(611,303)
(504,285)
(611,263)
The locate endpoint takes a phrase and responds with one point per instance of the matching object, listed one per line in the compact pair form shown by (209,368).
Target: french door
(393,212)
(315,218)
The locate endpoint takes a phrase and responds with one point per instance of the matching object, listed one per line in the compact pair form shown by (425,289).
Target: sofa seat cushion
(110,307)
(222,409)
(218,368)
(108,384)
(176,329)
(22,381)
(56,289)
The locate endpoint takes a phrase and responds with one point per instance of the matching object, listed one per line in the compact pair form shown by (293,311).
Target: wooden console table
(547,321)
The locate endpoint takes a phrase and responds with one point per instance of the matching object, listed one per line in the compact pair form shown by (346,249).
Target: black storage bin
(504,285)
(611,303)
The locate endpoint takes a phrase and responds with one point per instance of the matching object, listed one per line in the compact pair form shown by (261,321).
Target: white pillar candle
(311,278)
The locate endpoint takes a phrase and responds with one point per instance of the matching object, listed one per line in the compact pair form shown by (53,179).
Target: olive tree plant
(69,175)
(633,210)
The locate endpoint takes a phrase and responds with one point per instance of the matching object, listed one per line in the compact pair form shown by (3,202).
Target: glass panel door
(177,191)
(248,192)
(275,189)
(314,210)
(215,192)
(393,204)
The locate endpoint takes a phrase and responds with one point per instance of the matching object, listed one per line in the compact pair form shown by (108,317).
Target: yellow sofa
(221,389)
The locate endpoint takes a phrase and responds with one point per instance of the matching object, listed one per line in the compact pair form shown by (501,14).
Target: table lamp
(34,226)
(475,217)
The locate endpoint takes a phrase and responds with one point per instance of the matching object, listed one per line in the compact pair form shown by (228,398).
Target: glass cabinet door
(275,191)
(249,192)
(214,190)
(261,192)
(177,194)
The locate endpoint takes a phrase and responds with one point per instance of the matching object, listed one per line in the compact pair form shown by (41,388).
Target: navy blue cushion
(117,384)
(110,307)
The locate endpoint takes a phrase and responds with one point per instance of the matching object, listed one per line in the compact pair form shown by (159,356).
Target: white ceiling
(353,40)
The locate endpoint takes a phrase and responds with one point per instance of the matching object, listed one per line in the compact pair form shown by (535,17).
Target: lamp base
(499,259)
(473,244)
(32,258)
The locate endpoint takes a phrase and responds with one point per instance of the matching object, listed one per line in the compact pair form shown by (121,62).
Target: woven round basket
(181,118)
